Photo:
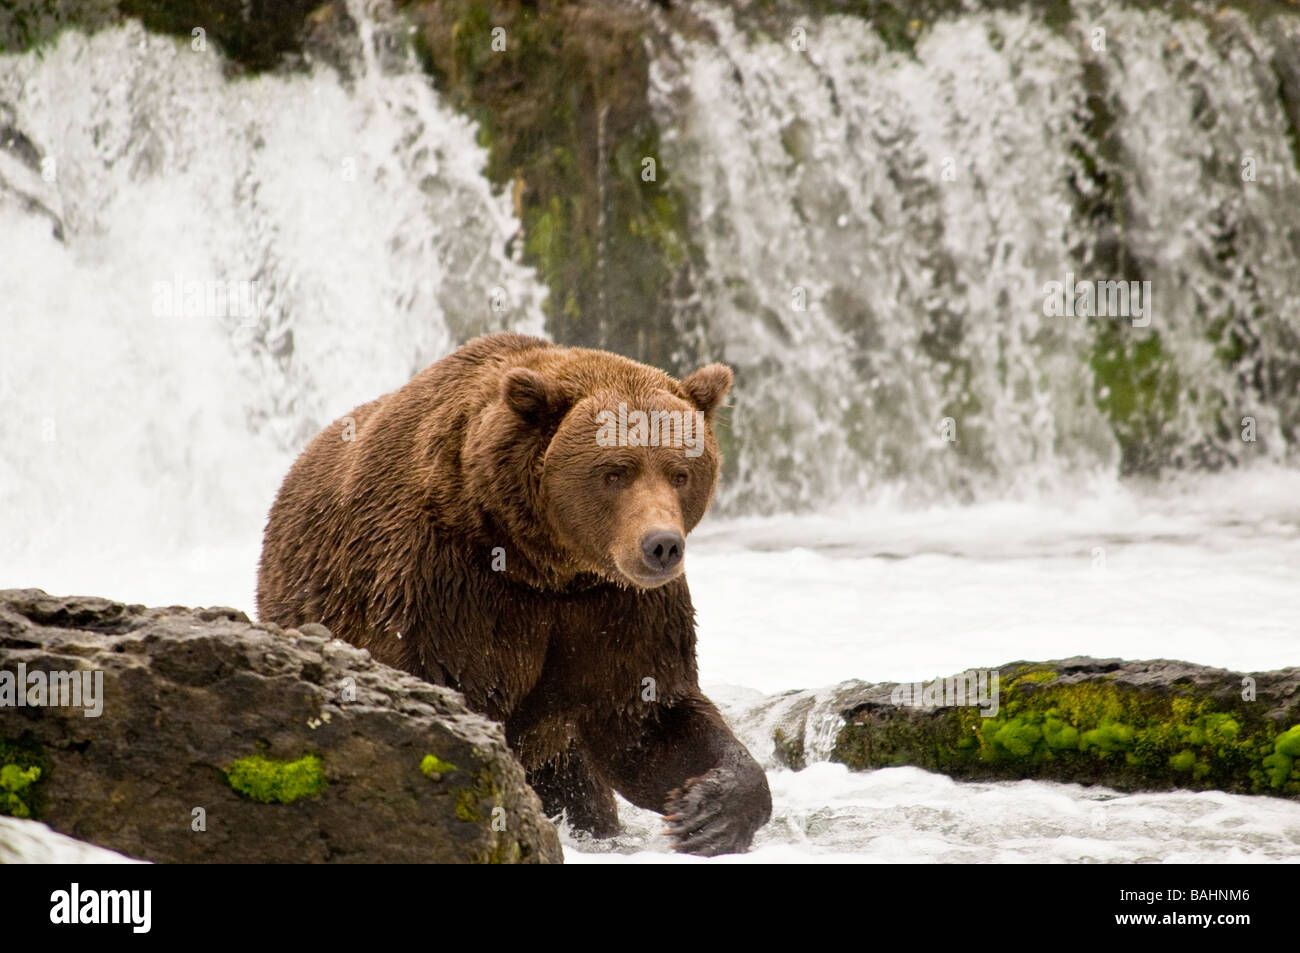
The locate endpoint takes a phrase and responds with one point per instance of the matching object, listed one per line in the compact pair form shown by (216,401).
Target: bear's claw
(708,815)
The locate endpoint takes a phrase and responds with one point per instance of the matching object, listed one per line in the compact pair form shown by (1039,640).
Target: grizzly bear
(512,524)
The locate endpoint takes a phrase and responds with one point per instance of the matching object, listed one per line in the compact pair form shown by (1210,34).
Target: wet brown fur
(390,538)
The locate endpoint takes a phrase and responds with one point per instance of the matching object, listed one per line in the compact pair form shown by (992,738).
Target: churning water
(862,294)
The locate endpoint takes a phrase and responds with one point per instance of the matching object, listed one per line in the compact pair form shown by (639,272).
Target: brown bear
(511,524)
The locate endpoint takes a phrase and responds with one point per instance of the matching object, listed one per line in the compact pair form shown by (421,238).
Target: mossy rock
(1129,725)
(224,740)
(560,92)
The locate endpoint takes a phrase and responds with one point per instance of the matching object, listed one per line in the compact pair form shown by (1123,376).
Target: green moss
(470,800)
(1107,739)
(1183,761)
(504,850)
(1136,384)
(22,766)
(1017,737)
(434,767)
(277,782)
(14,782)
(1280,765)
(467,806)
(1093,731)
(1288,743)
(1059,735)
(1035,675)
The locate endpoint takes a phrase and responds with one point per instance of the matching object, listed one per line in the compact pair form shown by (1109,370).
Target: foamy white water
(357,207)
(141,451)
(1204,572)
(828,814)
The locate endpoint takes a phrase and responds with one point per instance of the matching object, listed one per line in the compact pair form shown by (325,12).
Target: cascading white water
(142,438)
(878,227)
(354,206)
(1214,205)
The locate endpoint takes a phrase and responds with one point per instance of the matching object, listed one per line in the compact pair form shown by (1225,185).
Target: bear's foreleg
(568,784)
(691,768)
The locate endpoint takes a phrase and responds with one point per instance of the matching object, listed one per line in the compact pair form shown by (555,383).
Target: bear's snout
(662,550)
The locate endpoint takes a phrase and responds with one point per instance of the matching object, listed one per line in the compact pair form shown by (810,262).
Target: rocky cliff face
(193,735)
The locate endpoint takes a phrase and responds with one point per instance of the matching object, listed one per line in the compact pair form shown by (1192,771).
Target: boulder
(1129,725)
(195,735)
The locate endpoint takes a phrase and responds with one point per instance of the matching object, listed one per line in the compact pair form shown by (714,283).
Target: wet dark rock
(227,741)
(1131,725)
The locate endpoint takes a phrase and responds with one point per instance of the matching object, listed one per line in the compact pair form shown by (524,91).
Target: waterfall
(200,268)
(197,273)
(878,223)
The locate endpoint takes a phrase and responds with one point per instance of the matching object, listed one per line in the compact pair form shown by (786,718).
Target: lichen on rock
(22,765)
(278,782)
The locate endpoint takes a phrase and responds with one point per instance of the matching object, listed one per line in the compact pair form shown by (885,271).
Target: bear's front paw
(718,812)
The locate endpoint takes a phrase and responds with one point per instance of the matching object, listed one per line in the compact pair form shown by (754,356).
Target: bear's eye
(680,478)
(613,477)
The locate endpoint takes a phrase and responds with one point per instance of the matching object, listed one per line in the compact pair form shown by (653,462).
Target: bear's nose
(662,549)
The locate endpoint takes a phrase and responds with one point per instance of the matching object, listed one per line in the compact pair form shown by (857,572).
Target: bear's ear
(706,387)
(533,397)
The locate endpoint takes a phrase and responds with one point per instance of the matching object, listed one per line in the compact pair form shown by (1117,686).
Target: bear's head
(624,465)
